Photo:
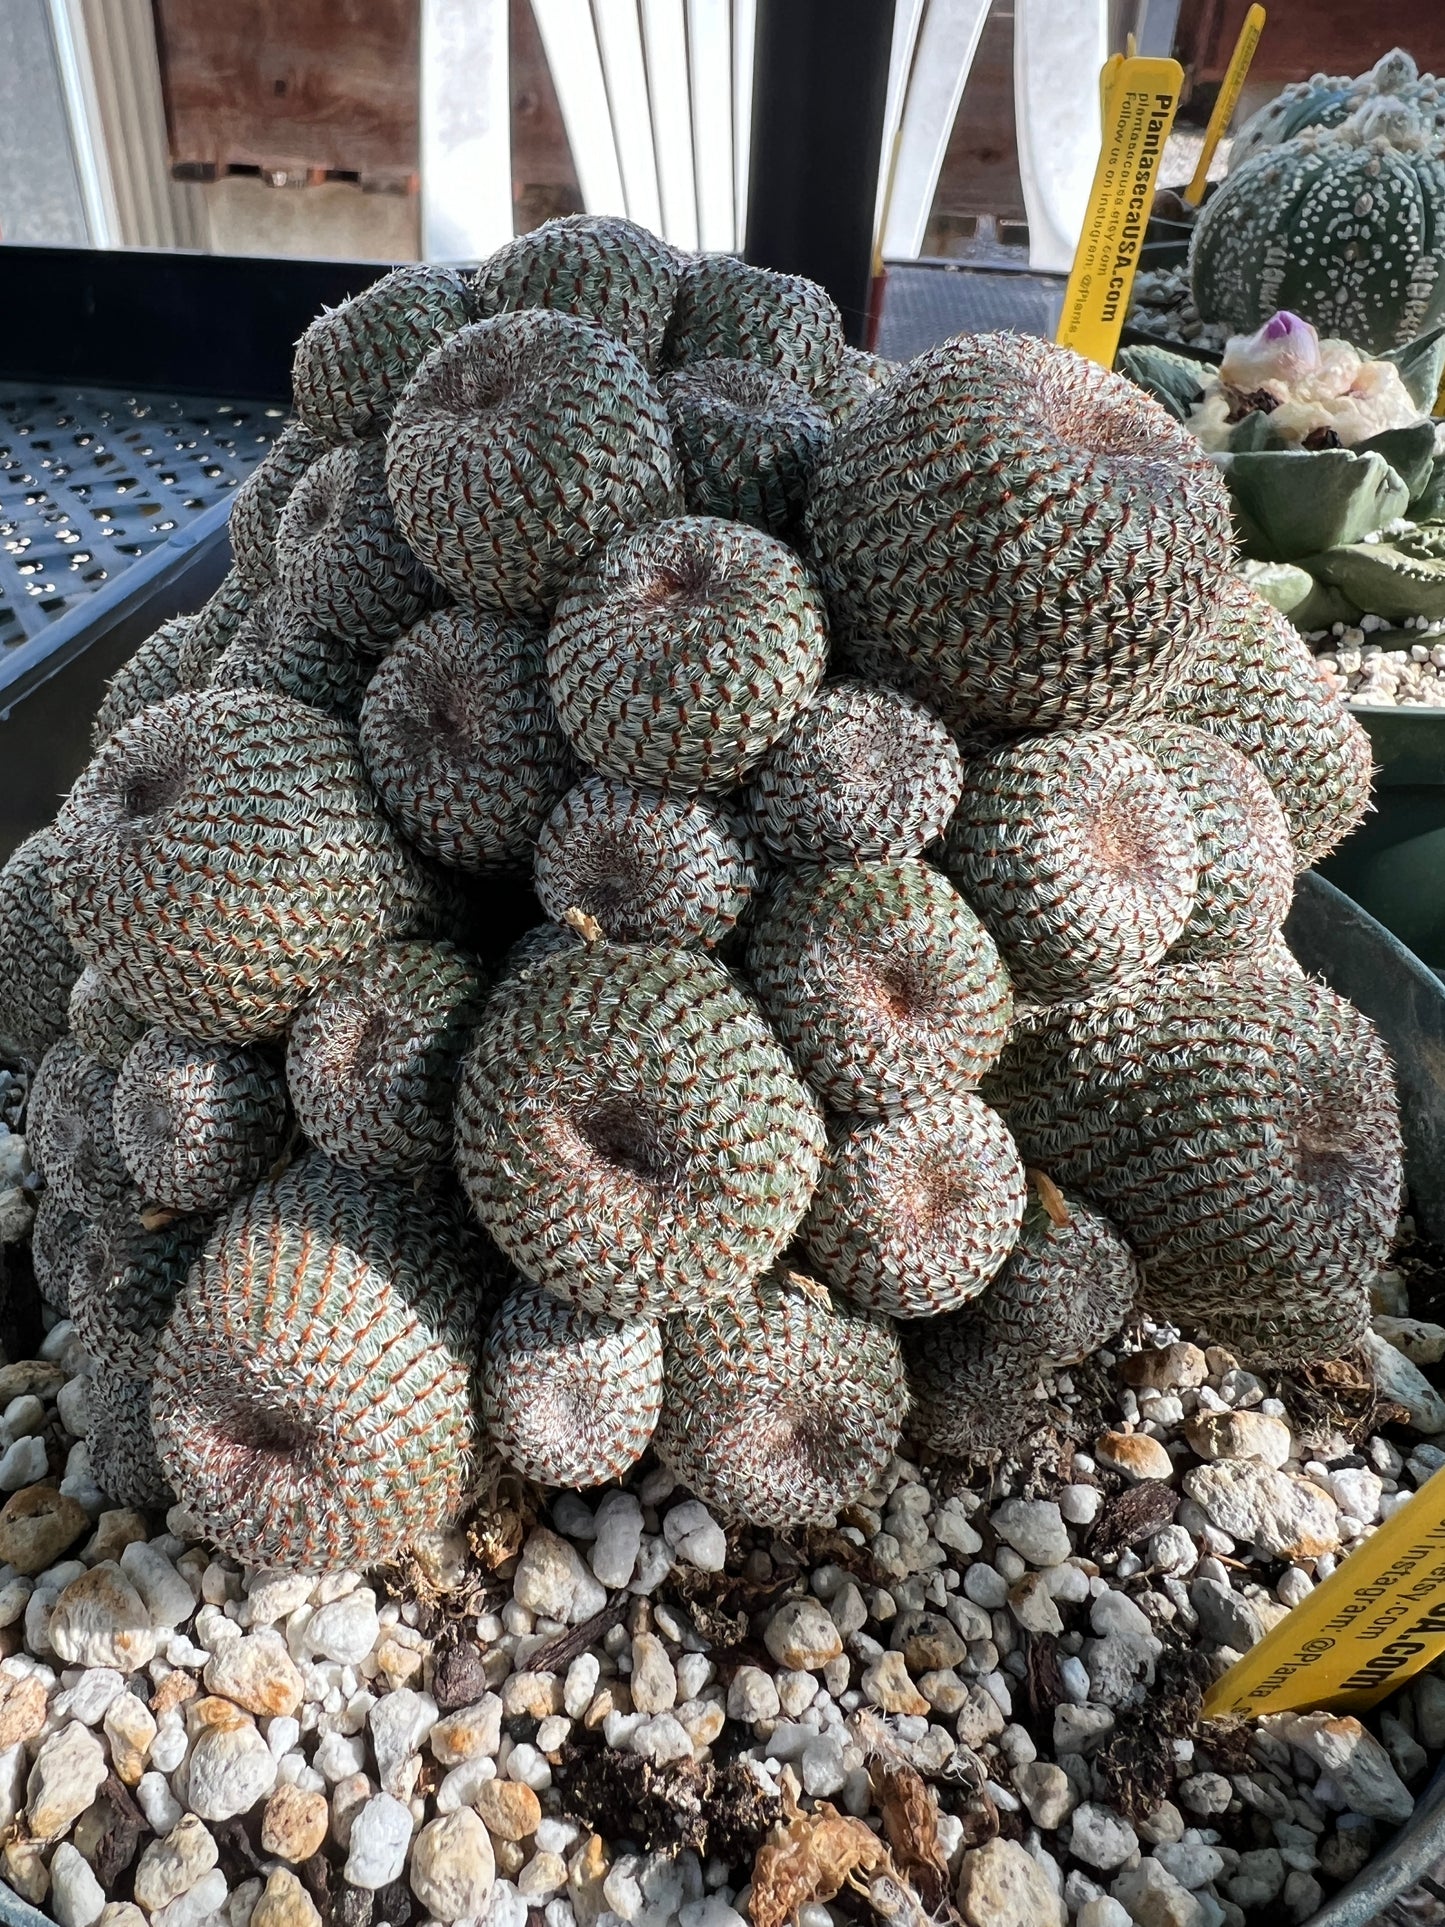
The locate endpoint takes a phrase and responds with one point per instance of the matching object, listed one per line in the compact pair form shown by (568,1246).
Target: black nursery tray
(105,493)
(136,390)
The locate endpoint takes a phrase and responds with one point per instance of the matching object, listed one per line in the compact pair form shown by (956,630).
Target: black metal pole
(820,82)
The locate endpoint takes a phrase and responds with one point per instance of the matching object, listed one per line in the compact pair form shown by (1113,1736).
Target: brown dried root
(813,1856)
(910,1826)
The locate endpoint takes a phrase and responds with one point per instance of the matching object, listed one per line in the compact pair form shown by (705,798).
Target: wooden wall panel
(293,86)
(1304,37)
(980,173)
(544,179)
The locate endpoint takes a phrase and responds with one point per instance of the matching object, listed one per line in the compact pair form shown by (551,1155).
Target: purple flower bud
(1284,323)
(1283,350)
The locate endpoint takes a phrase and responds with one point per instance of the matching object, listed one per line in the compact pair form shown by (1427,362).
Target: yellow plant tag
(1226,101)
(1138,113)
(1106,80)
(1378,1618)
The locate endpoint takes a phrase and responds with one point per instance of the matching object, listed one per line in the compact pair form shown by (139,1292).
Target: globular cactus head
(882,983)
(648,867)
(1338,224)
(100,1022)
(354,361)
(123,1458)
(630,1131)
(460,738)
(568,1397)
(598,267)
(1067,1286)
(1246,856)
(71,1134)
(537,423)
(372,1060)
(57,1240)
(198,1124)
(148,676)
(1079,854)
(865,774)
(221,855)
(748,440)
(312,1392)
(340,563)
(914,1213)
(258,501)
(124,1284)
(1032,533)
(727,309)
(208,632)
(681,653)
(279,649)
(781,1405)
(38,966)
(1239,1126)
(1249,678)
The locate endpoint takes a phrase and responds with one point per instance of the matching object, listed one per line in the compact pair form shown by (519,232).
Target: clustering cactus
(910,791)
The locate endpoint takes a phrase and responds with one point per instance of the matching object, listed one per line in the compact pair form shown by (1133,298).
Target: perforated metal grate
(93,479)
(925,305)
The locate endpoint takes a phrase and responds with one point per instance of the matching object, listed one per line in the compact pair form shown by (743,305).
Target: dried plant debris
(1043,1681)
(812,1857)
(714,1811)
(1337,1398)
(1136,1765)
(1133,1515)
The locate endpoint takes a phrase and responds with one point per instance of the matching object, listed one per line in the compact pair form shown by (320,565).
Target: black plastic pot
(1394,864)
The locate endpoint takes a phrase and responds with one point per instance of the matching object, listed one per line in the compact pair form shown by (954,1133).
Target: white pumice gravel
(415,1755)
(1385,665)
